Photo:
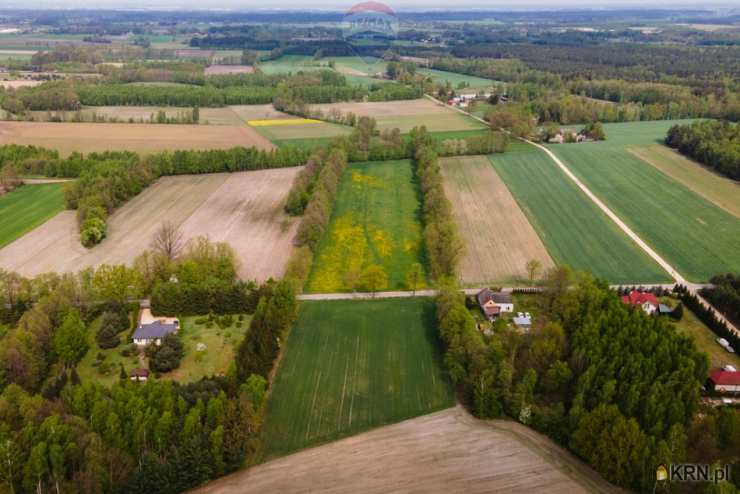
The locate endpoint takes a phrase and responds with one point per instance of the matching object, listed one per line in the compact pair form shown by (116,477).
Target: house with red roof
(724,381)
(645,300)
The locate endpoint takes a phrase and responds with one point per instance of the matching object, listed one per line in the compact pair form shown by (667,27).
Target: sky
(248,5)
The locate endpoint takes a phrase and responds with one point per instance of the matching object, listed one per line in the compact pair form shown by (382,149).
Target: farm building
(154,332)
(494,303)
(523,321)
(647,301)
(724,381)
(139,375)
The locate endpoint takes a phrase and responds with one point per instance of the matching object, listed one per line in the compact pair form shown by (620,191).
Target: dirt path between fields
(448,451)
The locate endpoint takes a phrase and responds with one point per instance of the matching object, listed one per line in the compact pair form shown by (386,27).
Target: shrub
(167,356)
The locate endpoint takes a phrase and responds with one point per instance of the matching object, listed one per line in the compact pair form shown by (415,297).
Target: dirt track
(498,238)
(446,452)
(242,209)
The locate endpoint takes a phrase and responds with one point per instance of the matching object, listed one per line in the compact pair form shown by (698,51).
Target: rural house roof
(639,298)
(523,320)
(725,378)
(154,331)
(486,295)
(139,373)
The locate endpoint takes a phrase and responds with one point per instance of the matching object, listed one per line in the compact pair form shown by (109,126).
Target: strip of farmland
(89,137)
(575,232)
(498,238)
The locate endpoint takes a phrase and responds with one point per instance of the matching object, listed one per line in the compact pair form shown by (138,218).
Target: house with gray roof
(154,332)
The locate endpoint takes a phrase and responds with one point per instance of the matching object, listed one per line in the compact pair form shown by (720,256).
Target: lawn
(706,340)
(575,232)
(26,208)
(350,366)
(375,221)
(220,345)
(691,233)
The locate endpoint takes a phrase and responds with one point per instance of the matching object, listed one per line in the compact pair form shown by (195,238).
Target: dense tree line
(617,387)
(725,296)
(149,95)
(687,65)
(442,241)
(713,143)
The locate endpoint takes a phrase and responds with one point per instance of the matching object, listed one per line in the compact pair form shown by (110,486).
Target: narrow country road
(692,287)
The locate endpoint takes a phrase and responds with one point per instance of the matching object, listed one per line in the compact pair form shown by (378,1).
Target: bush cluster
(712,143)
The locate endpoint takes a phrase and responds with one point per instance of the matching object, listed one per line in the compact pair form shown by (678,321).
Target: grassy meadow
(375,221)
(350,366)
(722,191)
(27,207)
(575,232)
(455,79)
(690,232)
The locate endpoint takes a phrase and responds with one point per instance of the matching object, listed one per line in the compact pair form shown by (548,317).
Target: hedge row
(443,243)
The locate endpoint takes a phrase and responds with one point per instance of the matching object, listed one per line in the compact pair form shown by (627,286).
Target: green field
(311,143)
(290,63)
(26,208)
(281,133)
(350,366)
(575,232)
(692,234)
(375,221)
(455,79)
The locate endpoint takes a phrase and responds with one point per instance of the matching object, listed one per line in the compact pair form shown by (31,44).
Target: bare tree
(168,240)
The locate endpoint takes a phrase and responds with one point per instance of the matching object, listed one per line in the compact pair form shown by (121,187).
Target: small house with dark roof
(154,332)
(494,303)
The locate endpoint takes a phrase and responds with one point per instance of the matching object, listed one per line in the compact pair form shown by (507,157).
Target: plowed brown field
(87,137)
(498,238)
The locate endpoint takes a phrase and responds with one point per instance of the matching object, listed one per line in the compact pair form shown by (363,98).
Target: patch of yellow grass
(282,121)
(362,179)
